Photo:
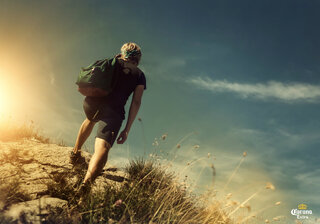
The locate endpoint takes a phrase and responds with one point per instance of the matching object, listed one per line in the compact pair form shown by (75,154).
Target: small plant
(12,132)
(61,187)
(11,193)
(4,219)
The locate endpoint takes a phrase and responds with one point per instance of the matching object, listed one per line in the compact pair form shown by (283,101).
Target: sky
(229,76)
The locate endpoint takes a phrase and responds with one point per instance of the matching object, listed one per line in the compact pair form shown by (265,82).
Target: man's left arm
(133,111)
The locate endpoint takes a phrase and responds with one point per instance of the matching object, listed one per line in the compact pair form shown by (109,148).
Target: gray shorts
(109,121)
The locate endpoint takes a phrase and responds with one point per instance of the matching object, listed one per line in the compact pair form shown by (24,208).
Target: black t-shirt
(127,81)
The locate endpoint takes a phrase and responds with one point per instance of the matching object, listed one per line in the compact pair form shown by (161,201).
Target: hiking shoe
(84,188)
(76,158)
(83,192)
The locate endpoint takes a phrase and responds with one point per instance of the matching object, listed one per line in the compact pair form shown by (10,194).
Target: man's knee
(89,121)
(102,143)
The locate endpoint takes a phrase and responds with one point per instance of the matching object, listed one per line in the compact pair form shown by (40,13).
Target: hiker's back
(128,78)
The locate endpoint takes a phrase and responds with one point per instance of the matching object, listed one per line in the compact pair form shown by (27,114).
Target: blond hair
(131,51)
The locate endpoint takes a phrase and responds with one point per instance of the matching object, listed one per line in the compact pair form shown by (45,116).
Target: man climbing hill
(108,111)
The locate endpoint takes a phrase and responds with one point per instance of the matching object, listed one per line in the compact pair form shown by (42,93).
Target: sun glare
(4,103)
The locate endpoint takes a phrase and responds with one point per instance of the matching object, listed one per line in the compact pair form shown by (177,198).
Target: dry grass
(10,190)
(10,193)
(11,132)
(151,194)
(231,210)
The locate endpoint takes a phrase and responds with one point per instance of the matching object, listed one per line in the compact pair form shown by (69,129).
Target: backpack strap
(113,64)
(115,70)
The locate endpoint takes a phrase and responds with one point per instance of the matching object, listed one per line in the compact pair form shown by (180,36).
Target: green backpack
(99,78)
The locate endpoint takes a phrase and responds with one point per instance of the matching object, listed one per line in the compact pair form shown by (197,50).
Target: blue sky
(244,75)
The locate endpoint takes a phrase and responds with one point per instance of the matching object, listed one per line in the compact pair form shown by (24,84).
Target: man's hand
(134,107)
(122,137)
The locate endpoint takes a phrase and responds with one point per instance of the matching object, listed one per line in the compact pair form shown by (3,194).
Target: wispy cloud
(288,92)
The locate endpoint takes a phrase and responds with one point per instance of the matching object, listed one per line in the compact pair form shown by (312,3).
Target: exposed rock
(33,211)
(32,165)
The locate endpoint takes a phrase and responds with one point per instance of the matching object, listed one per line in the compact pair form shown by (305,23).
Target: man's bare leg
(98,160)
(84,132)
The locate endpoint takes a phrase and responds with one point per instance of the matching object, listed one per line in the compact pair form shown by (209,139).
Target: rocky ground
(31,166)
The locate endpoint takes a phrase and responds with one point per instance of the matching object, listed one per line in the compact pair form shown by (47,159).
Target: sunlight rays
(4,102)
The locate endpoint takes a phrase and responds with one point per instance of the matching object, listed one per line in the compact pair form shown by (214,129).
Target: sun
(4,103)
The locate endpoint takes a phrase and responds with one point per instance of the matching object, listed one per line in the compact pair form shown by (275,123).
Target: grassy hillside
(143,191)
(148,194)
